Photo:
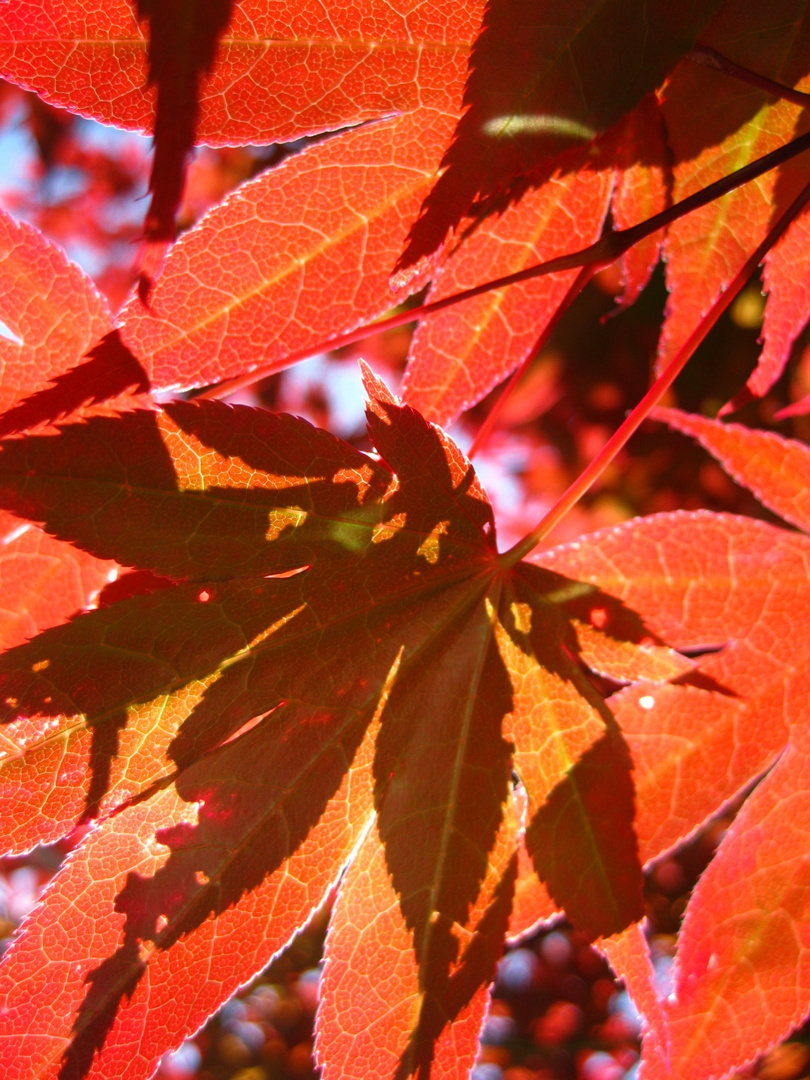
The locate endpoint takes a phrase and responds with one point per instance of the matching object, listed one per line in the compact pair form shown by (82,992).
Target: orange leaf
(281,70)
(303,251)
(543,80)
(736,124)
(245,727)
(740,588)
(52,311)
(458,355)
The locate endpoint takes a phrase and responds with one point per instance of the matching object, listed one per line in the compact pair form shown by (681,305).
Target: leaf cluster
(249,665)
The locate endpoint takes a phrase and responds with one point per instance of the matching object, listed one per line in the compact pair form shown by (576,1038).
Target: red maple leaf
(242,735)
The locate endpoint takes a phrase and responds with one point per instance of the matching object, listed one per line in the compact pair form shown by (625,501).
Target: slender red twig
(710,58)
(577,285)
(667,377)
(605,251)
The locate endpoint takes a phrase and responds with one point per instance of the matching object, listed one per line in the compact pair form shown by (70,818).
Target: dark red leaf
(110,374)
(543,79)
(184,38)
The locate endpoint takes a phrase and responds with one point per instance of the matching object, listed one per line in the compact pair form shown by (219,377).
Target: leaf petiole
(715,60)
(578,284)
(667,377)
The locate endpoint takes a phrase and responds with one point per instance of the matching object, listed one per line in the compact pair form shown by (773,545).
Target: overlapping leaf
(458,355)
(52,315)
(253,729)
(43,581)
(541,80)
(716,124)
(741,586)
(642,188)
(226,73)
(290,259)
(321,659)
(281,71)
(183,44)
(51,311)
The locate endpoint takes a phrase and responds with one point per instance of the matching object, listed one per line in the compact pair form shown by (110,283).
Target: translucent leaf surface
(281,70)
(250,730)
(51,312)
(458,355)
(298,255)
(741,588)
(543,80)
(716,124)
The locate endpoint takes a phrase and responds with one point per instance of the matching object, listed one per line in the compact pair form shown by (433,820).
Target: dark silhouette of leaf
(544,78)
(109,372)
(183,40)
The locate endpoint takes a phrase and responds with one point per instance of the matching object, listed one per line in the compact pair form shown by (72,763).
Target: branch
(709,58)
(640,413)
(597,256)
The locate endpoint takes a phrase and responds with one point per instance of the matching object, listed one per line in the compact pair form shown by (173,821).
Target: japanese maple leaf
(715,123)
(54,318)
(340,668)
(223,73)
(740,587)
(542,80)
(266,72)
(317,238)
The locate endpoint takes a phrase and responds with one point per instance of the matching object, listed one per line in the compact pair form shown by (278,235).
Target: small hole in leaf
(9,335)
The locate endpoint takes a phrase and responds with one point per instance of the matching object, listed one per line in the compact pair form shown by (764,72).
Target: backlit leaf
(282,70)
(51,313)
(741,983)
(716,124)
(42,581)
(458,355)
(703,580)
(250,729)
(543,79)
(776,469)
(296,256)
(642,188)
(742,979)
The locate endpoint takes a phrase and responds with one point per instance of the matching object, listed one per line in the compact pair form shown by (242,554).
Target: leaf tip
(744,397)
(376,390)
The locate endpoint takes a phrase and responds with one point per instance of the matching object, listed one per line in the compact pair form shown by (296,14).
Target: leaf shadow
(100,667)
(517,129)
(110,369)
(324,502)
(264,642)
(110,485)
(597,877)
(257,800)
(592,810)
(104,749)
(442,779)
(183,42)
(476,969)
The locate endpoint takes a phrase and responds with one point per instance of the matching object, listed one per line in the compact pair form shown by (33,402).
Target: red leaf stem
(667,377)
(599,255)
